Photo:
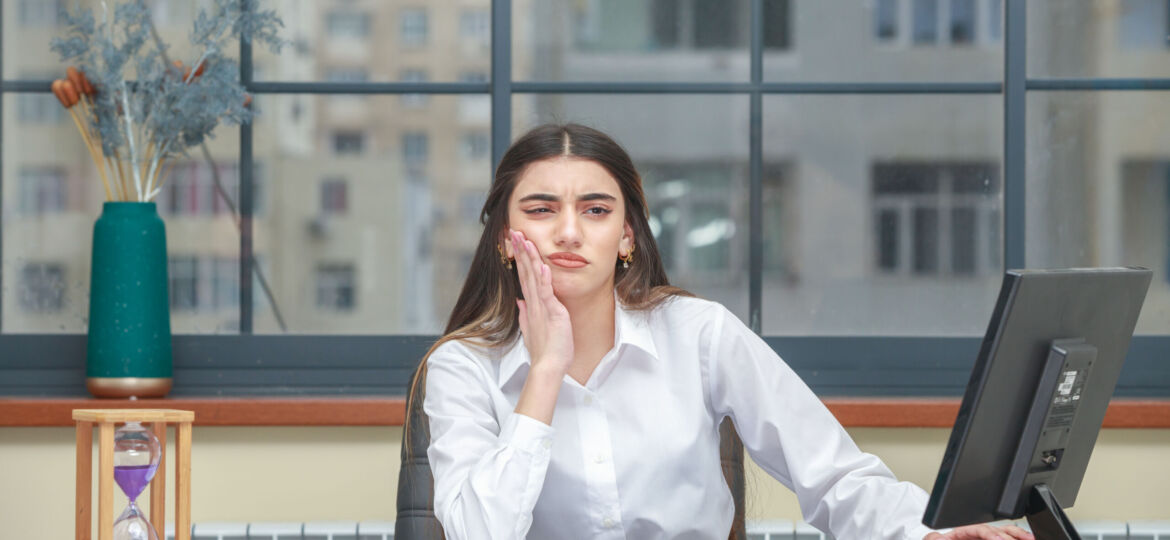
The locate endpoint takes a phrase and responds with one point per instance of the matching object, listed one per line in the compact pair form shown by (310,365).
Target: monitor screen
(1038,392)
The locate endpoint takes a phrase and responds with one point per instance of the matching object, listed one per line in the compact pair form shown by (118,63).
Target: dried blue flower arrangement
(136,112)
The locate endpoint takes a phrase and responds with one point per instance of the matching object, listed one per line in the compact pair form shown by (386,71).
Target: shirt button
(589,400)
(546,443)
(608,523)
(599,458)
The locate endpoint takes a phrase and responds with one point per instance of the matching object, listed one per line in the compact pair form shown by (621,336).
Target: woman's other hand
(983,532)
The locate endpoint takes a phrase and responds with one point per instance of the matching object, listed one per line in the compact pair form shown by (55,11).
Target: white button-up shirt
(634,453)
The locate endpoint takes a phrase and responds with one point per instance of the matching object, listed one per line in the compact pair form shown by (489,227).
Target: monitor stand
(1047,518)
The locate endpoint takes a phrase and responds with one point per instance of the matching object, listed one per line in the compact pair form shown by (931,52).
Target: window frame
(298,364)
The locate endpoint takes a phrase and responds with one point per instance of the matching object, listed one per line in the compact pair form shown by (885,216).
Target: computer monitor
(1036,398)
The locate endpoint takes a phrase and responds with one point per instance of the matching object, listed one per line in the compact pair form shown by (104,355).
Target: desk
(390,411)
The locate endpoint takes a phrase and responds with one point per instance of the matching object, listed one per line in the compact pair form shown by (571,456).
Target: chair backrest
(416,510)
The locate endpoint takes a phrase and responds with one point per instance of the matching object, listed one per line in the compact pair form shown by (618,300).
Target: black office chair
(416,510)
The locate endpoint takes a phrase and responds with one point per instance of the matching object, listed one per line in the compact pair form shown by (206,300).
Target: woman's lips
(567,260)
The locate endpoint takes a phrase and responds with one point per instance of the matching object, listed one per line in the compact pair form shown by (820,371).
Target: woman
(576,394)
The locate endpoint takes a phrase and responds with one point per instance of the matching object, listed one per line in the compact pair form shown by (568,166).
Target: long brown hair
(485,313)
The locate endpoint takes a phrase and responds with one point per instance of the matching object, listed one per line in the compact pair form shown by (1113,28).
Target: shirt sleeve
(487,476)
(790,433)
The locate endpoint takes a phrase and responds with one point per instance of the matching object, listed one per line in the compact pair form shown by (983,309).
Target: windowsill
(390,411)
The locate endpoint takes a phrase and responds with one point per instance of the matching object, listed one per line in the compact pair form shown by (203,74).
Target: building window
(415,149)
(779,223)
(693,219)
(229,181)
(43,190)
(475,27)
(42,287)
(191,189)
(413,76)
(413,27)
(184,277)
(692,24)
(39,109)
(994,20)
(335,287)
(936,218)
(39,12)
(334,196)
(475,145)
(1145,24)
(347,24)
(340,74)
(886,20)
(225,283)
(925,21)
(777,24)
(348,142)
(204,284)
(934,22)
(476,77)
(962,18)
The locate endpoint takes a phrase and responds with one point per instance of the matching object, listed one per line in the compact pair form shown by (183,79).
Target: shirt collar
(631,328)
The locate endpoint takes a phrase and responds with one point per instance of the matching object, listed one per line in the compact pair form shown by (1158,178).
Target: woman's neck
(593,325)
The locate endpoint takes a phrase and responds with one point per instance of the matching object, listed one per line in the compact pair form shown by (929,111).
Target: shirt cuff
(528,434)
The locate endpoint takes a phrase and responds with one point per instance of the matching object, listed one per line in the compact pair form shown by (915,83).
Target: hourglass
(132,457)
(136,455)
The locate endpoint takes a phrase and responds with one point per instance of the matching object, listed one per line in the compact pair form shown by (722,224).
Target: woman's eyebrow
(548,197)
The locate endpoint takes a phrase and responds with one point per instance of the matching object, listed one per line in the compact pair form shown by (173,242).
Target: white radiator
(314,530)
(756,530)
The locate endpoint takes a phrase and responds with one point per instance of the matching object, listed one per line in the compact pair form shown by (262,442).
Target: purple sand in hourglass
(133,478)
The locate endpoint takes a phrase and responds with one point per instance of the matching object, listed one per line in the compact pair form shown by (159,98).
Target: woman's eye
(541,210)
(598,211)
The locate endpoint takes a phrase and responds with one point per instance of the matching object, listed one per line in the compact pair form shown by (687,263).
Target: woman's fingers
(523,318)
(988,532)
(523,266)
(1018,533)
(533,266)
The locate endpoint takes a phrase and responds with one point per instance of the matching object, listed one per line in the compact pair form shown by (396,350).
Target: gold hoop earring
(627,258)
(504,257)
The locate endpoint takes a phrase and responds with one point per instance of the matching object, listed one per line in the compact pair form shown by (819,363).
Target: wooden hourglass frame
(157,421)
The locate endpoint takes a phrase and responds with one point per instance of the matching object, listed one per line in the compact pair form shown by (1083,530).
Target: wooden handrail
(390,411)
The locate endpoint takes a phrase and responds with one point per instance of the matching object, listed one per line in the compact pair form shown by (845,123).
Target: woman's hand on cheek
(544,321)
(983,532)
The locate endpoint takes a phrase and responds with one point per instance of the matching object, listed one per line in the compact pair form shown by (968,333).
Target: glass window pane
(692,154)
(30,25)
(962,26)
(889,41)
(896,211)
(637,40)
(963,231)
(1098,186)
(1099,38)
(387,41)
(925,21)
(377,239)
(53,193)
(885,20)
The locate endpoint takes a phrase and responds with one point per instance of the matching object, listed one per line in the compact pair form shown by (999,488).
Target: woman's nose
(568,231)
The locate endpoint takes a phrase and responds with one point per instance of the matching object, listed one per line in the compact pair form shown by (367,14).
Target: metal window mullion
(1,164)
(755,170)
(1014,133)
(501,83)
(245,187)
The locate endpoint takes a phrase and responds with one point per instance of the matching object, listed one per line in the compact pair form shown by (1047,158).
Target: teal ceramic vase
(129,348)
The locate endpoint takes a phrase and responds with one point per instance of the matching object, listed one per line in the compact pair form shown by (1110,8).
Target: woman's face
(573,211)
